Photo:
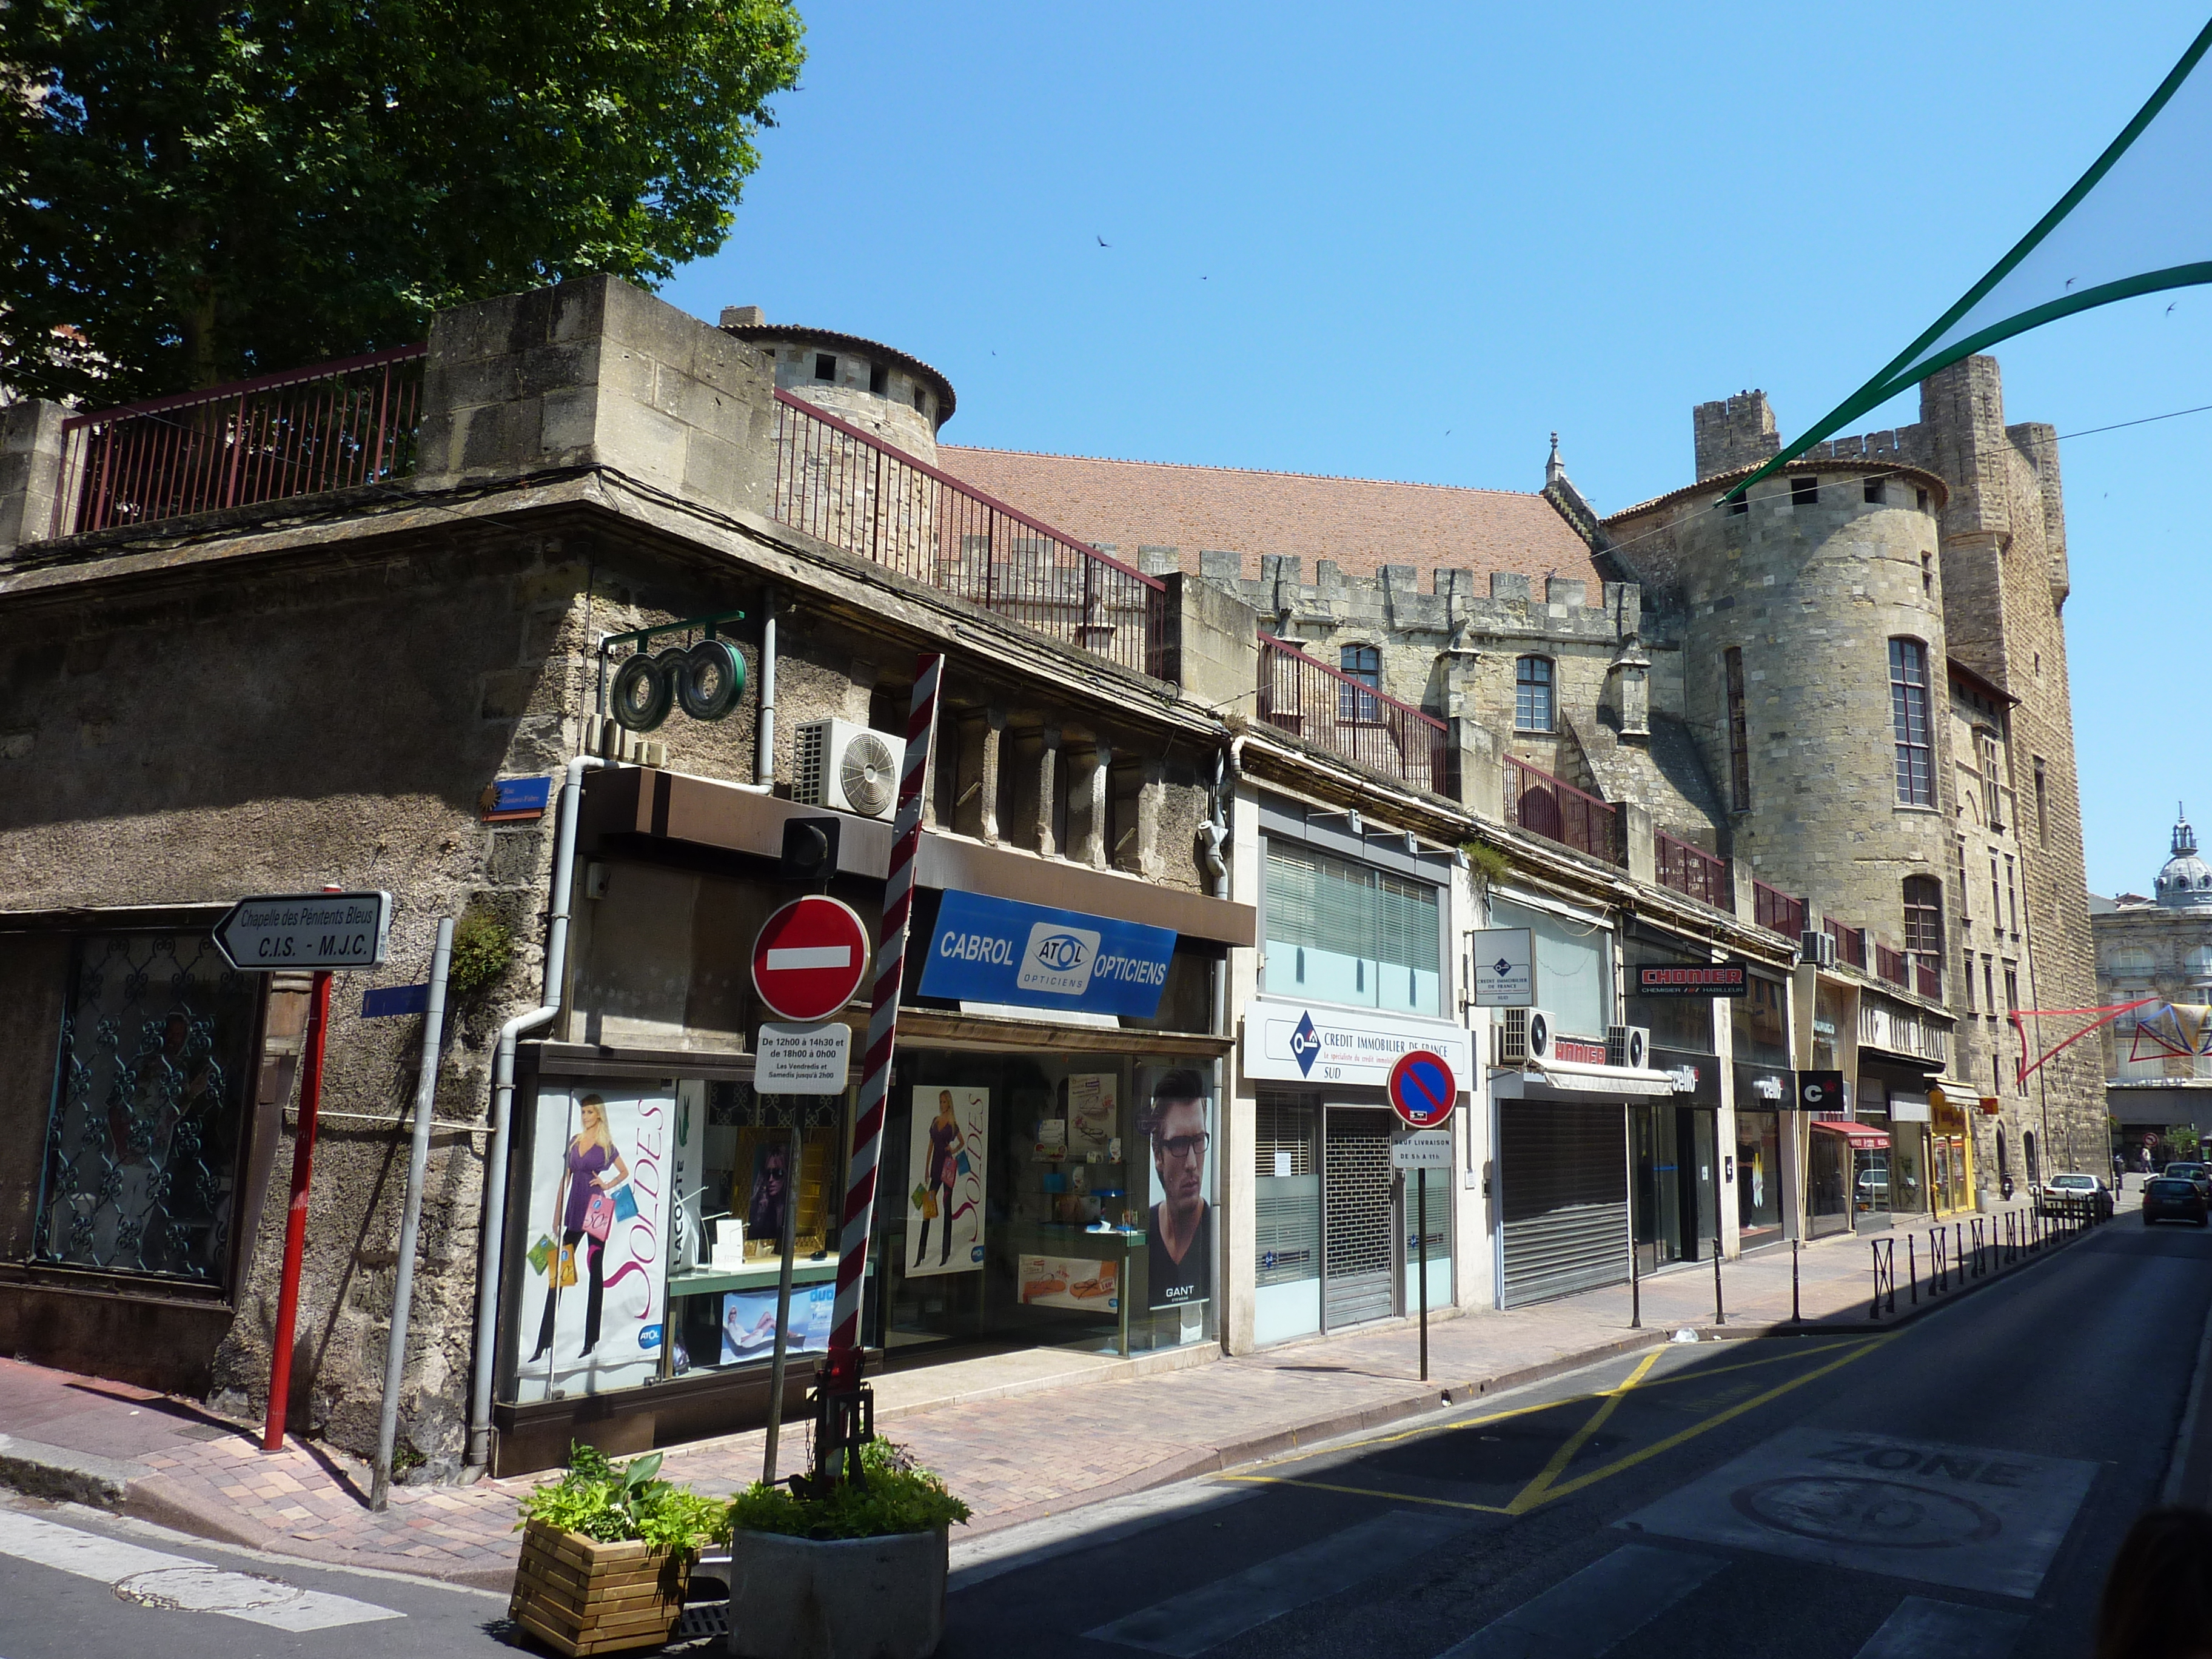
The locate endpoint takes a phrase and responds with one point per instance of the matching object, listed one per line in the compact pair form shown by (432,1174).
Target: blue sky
(1410,241)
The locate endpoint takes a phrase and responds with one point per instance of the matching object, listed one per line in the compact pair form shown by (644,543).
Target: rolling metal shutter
(1356,1156)
(1563,1197)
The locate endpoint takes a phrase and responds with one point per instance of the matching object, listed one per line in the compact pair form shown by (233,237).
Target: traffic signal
(810,849)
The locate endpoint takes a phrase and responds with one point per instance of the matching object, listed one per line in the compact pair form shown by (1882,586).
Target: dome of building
(2186,883)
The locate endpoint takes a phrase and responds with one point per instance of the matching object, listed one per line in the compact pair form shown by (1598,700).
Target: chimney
(743,317)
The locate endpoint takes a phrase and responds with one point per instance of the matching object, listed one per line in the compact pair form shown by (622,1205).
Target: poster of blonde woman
(590,1313)
(945,1201)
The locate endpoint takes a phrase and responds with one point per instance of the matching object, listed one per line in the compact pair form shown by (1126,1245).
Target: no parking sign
(1422,1089)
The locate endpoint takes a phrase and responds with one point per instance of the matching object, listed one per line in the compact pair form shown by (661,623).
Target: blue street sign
(995,950)
(389,999)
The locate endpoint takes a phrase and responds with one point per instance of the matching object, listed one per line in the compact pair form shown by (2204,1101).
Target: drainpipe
(764,743)
(492,1238)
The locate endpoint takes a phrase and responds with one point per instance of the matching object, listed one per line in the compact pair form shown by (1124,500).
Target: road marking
(1922,1629)
(978,1560)
(1370,1492)
(1533,1493)
(156,1578)
(1585,1615)
(1185,1626)
(1973,1518)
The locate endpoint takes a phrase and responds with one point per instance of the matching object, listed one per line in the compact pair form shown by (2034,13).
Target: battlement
(1453,603)
(1734,432)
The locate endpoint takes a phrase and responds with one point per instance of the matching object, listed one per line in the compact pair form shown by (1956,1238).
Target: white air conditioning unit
(837,765)
(1817,949)
(1510,1038)
(1629,1046)
(1541,1029)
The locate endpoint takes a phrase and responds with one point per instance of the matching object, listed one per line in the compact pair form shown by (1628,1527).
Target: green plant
(482,949)
(1492,864)
(614,1502)
(899,1496)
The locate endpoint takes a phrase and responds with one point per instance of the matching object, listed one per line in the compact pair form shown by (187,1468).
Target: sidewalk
(1019,1436)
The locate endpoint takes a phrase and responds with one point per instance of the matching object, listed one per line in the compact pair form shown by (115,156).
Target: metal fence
(1850,943)
(844,487)
(1928,978)
(1774,910)
(1536,800)
(1692,871)
(1891,965)
(331,425)
(1304,696)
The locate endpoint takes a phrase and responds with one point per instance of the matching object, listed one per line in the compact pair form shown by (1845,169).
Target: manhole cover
(206,1589)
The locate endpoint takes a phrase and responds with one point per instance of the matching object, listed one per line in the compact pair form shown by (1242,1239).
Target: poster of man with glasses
(1177,1123)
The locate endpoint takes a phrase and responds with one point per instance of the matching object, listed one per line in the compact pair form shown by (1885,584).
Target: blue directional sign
(387,1000)
(995,950)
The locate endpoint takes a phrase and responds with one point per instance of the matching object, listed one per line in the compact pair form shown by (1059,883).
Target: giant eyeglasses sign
(706,680)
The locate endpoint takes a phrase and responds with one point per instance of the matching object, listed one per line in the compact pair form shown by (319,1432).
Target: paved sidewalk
(1018,1436)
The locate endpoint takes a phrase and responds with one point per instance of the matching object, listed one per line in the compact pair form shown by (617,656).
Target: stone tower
(878,388)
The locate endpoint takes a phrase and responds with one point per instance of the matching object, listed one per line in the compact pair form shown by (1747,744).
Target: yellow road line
(1532,1494)
(1365,1491)
(1621,1464)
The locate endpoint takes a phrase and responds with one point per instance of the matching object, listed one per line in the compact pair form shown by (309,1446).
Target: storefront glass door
(1287,1205)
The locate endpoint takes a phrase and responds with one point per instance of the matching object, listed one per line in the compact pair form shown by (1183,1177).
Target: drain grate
(702,1621)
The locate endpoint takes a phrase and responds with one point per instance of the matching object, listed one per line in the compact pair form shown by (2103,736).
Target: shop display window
(1063,1199)
(1682,1022)
(1757,1174)
(1761,1028)
(1286,1206)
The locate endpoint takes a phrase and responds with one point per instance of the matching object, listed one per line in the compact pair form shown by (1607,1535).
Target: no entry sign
(810,957)
(1422,1089)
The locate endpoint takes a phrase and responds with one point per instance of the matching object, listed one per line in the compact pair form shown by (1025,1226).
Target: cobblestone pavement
(1013,1457)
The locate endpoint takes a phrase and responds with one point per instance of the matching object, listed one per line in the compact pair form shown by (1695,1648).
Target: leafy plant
(613,1503)
(1492,864)
(482,949)
(899,1496)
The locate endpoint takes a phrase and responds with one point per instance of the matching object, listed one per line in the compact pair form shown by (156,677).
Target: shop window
(1286,1207)
(1685,1022)
(1760,1024)
(1346,933)
(149,1108)
(1739,730)
(1532,695)
(1908,707)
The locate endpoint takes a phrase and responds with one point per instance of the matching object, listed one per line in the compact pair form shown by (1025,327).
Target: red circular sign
(810,957)
(1422,1088)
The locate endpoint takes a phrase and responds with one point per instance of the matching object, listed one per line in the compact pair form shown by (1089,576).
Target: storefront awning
(1570,1078)
(1863,1136)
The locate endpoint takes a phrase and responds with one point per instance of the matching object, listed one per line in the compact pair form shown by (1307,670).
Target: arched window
(1924,920)
(1532,695)
(1908,717)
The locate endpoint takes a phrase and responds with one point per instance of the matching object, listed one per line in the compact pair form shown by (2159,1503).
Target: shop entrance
(1359,1228)
(1563,1198)
(1677,1207)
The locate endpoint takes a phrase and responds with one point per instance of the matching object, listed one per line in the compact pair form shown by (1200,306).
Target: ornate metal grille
(148,1109)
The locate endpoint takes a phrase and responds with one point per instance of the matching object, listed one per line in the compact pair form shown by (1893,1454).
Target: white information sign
(1311,1042)
(802,1059)
(1424,1149)
(1504,967)
(271,931)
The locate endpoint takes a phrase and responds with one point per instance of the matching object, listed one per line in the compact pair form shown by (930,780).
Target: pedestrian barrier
(1966,1250)
(1885,1274)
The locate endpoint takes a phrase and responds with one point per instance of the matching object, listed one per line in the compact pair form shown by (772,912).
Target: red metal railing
(327,427)
(1774,910)
(1692,871)
(844,487)
(1536,800)
(1304,695)
(1851,942)
(1928,978)
(1890,965)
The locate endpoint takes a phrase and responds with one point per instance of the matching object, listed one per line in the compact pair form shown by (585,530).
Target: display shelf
(753,1276)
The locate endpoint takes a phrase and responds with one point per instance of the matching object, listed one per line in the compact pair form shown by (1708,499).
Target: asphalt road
(1958,1487)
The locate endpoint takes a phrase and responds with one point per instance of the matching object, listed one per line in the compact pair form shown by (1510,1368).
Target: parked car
(2173,1198)
(2199,1173)
(2071,1192)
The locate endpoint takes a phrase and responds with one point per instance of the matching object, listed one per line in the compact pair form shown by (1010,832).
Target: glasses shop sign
(1030,955)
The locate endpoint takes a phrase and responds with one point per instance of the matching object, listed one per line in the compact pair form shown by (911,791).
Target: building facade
(2152,952)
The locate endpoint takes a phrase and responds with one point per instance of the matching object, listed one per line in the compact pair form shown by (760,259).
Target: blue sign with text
(995,950)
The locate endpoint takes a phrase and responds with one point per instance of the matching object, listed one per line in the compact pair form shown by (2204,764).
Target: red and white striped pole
(883,1009)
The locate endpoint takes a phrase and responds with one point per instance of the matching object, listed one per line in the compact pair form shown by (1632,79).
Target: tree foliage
(197,192)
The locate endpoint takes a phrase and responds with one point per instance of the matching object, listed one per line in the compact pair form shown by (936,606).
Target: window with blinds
(1341,932)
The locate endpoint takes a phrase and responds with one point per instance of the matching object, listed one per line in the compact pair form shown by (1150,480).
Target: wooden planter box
(579,1596)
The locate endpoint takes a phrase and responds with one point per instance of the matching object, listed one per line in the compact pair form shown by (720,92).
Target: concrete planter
(848,1598)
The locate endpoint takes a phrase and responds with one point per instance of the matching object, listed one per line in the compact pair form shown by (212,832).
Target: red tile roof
(1363,523)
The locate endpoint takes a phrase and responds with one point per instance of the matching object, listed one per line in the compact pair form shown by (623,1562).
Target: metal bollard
(1912,1269)
(1795,1317)
(1720,1314)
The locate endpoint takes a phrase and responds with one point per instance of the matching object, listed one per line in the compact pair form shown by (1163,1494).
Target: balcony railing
(841,485)
(1775,911)
(328,427)
(1851,942)
(1536,800)
(1891,965)
(1692,871)
(1928,978)
(1305,696)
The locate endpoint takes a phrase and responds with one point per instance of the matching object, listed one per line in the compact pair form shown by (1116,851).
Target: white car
(2074,1191)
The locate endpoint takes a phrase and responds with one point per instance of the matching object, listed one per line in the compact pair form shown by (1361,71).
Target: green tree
(193,190)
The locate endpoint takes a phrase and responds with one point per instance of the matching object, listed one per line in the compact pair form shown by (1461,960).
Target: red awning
(1864,1137)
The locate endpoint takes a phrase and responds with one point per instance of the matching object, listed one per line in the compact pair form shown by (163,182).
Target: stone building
(2156,947)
